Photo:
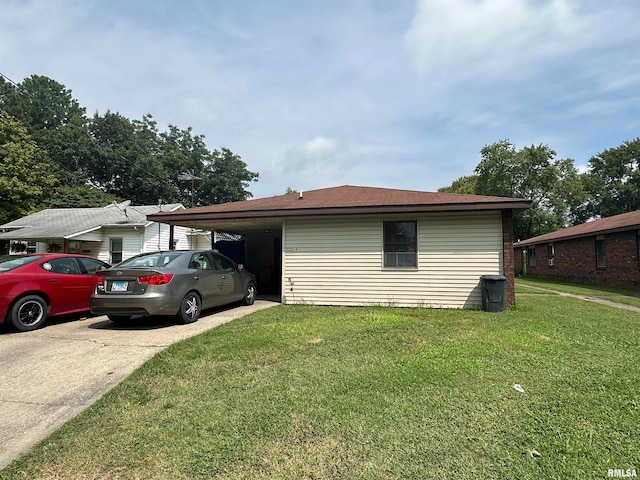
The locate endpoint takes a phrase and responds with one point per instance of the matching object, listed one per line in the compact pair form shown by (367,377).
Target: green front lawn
(371,393)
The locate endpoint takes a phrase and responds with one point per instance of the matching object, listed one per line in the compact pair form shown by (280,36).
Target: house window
(400,244)
(75,246)
(115,251)
(531,253)
(601,261)
(551,253)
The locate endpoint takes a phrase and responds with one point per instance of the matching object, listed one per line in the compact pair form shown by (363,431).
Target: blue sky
(320,93)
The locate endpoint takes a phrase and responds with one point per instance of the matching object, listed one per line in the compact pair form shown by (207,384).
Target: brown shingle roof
(347,199)
(617,223)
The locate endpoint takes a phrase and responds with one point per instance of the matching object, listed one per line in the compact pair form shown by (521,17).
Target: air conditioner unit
(551,262)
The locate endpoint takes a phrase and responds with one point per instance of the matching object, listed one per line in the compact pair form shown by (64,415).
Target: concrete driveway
(50,375)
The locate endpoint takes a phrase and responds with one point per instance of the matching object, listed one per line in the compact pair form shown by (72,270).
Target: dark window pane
(400,244)
(600,253)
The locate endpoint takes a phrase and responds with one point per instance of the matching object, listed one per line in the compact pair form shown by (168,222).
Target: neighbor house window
(115,250)
(75,246)
(400,244)
(531,253)
(601,260)
(551,253)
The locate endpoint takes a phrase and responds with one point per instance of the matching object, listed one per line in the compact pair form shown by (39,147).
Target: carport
(261,239)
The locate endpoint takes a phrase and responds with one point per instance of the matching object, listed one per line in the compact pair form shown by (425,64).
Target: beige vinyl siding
(339,261)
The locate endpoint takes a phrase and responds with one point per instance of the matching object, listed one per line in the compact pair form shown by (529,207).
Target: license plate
(119,286)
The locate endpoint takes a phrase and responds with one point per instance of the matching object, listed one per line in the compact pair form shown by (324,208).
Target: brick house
(604,251)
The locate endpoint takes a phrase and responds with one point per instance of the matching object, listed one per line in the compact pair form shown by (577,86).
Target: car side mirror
(240,266)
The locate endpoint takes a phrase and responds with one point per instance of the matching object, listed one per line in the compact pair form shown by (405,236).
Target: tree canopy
(25,176)
(87,162)
(554,186)
(614,180)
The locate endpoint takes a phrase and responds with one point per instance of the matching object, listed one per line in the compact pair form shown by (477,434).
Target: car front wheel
(189,308)
(250,294)
(28,313)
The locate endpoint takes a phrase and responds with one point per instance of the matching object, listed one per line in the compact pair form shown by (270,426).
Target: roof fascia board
(329,211)
(125,225)
(527,243)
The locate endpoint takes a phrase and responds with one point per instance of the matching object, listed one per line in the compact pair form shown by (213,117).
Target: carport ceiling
(235,225)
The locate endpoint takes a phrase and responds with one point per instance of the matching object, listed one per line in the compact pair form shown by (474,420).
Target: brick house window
(601,260)
(531,254)
(400,244)
(551,253)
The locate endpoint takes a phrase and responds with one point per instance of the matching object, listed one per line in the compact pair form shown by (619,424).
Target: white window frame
(113,261)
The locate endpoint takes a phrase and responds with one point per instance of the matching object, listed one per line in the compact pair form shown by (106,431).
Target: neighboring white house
(112,233)
(369,246)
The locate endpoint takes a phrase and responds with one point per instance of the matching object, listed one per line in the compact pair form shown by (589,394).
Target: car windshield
(158,259)
(9,264)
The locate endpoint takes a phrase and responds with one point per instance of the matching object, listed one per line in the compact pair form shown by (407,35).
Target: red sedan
(34,287)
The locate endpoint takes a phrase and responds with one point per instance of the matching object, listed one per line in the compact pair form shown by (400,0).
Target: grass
(613,294)
(370,393)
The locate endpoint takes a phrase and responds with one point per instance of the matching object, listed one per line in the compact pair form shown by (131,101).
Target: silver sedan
(180,283)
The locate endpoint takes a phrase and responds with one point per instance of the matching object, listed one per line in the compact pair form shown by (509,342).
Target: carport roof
(343,200)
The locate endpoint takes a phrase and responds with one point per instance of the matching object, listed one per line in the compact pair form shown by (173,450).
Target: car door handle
(53,280)
(196,277)
(224,277)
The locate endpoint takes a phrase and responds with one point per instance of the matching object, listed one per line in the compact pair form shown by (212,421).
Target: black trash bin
(493,292)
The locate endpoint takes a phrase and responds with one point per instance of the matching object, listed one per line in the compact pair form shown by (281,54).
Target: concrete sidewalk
(50,375)
(587,298)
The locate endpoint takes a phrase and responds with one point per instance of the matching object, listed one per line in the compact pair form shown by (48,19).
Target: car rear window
(10,264)
(150,260)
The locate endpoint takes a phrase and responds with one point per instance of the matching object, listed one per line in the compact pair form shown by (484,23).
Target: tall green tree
(57,123)
(554,186)
(532,173)
(124,161)
(184,157)
(613,181)
(467,184)
(77,196)
(112,157)
(25,176)
(54,119)
(225,179)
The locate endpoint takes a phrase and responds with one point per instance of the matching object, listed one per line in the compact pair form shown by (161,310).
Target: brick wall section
(507,254)
(575,260)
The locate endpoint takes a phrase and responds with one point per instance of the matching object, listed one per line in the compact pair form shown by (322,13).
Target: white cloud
(491,36)
(315,155)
